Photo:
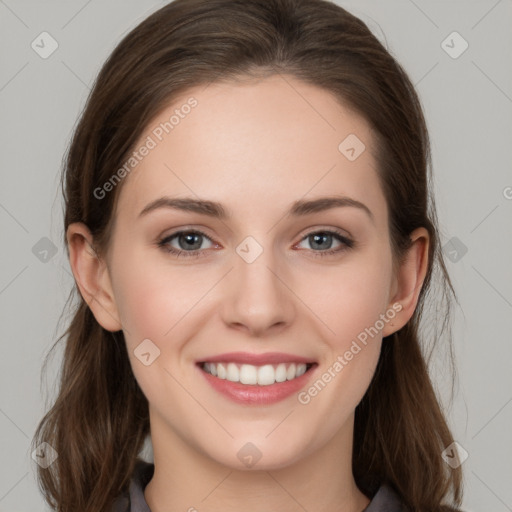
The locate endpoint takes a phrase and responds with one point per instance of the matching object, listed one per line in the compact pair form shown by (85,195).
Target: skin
(255,147)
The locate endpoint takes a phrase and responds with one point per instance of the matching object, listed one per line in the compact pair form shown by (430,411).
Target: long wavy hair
(99,419)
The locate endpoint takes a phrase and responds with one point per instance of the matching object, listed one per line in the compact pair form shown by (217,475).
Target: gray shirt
(384,500)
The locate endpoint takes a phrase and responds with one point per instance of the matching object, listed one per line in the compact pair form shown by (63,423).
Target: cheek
(351,297)
(151,303)
(352,308)
(153,298)
(144,309)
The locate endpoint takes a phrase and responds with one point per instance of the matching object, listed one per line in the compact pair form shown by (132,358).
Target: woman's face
(313,284)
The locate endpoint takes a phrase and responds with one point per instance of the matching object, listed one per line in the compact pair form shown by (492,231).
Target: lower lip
(258,395)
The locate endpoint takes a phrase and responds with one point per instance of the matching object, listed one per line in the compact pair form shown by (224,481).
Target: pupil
(320,236)
(190,240)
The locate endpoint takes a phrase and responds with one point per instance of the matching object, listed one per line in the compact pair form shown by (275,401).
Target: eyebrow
(216,210)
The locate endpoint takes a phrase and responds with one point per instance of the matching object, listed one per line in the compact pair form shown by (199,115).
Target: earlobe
(409,280)
(92,276)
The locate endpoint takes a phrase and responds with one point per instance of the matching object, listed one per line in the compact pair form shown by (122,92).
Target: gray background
(468,105)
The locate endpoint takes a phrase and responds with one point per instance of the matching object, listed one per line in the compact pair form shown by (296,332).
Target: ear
(92,277)
(407,283)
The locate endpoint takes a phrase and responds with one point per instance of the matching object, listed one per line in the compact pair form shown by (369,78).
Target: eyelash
(163,243)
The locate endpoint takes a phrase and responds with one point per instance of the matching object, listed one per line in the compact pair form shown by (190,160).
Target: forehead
(258,144)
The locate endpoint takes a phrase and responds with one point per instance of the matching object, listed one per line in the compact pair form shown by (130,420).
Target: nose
(258,297)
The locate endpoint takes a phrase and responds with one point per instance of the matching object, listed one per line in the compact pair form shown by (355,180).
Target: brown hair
(100,420)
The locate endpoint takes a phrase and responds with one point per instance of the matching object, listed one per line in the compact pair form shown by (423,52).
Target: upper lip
(255,359)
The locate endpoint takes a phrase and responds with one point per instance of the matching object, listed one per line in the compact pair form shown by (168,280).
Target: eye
(324,239)
(189,243)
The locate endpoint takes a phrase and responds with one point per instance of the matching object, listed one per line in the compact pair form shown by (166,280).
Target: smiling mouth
(264,375)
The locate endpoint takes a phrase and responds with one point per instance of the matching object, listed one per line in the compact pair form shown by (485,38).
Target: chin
(260,455)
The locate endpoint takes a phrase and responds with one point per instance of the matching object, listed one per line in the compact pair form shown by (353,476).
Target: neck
(187,479)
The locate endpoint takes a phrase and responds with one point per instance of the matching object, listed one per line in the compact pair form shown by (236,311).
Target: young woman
(251,228)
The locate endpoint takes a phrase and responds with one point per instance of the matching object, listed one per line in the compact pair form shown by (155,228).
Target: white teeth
(221,370)
(233,373)
(266,375)
(248,374)
(301,369)
(281,372)
(262,375)
(290,374)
